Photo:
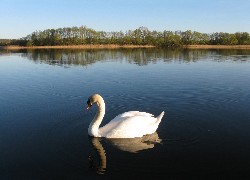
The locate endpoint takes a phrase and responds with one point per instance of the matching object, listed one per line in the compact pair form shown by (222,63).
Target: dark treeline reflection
(136,56)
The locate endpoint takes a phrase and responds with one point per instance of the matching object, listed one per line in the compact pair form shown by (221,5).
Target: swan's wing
(134,113)
(130,124)
(128,118)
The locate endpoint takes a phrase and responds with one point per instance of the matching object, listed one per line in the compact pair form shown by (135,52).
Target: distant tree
(187,37)
(243,38)
(170,39)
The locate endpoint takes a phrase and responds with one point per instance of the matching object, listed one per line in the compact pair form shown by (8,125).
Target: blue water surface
(43,117)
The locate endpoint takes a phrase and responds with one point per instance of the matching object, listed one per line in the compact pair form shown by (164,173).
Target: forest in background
(141,36)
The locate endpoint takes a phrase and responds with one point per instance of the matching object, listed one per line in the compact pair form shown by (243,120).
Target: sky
(18,18)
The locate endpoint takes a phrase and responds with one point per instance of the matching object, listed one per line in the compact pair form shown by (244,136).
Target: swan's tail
(160,117)
(154,126)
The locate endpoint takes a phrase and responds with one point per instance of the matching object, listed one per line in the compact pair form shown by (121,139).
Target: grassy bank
(96,46)
(115,46)
(216,46)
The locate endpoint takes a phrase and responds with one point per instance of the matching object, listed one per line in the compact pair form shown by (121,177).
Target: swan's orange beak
(88,107)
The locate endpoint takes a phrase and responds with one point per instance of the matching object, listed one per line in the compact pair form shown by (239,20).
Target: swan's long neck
(94,125)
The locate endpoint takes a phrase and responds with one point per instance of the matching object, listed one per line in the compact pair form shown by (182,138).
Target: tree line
(140,36)
(5,42)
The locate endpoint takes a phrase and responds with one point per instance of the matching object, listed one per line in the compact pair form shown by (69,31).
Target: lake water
(43,118)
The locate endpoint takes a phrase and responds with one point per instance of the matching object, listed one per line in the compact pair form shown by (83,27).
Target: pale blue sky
(19,18)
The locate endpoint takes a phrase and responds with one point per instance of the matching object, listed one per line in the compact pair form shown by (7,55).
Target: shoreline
(87,46)
(115,46)
(216,47)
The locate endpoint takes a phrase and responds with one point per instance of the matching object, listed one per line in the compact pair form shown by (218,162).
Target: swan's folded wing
(135,113)
(129,125)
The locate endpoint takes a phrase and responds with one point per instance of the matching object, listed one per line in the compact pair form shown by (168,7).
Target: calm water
(43,121)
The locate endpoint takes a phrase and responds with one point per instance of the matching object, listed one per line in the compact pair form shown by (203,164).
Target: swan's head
(93,99)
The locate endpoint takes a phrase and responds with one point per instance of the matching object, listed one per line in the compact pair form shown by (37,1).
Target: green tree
(243,38)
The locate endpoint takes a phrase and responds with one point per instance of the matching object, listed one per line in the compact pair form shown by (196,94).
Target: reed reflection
(132,145)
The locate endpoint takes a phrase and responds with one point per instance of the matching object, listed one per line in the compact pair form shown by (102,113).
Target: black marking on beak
(89,104)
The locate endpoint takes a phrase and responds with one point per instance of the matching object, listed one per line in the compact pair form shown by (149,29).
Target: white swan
(127,125)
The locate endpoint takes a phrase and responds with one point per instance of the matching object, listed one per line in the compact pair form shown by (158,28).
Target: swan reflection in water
(132,145)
